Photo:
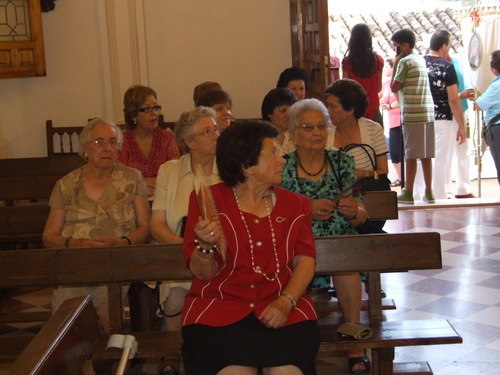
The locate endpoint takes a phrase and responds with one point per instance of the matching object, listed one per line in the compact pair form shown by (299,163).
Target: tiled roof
(383,25)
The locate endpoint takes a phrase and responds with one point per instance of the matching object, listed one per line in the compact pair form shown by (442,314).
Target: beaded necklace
(323,166)
(257,269)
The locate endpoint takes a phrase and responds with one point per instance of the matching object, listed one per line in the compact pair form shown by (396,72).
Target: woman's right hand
(321,209)
(207,232)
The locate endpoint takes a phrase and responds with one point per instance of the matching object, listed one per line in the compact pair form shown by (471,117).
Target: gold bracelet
(290,297)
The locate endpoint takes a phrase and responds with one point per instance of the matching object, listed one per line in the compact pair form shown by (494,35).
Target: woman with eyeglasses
(197,132)
(103,203)
(146,146)
(324,176)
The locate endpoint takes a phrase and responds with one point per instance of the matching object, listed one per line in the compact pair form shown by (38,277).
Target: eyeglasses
(157,108)
(209,132)
(310,127)
(101,142)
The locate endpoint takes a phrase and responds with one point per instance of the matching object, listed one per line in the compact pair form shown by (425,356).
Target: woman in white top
(347,101)
(197,132)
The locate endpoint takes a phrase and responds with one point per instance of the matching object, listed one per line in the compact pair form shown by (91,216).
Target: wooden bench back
(64,140)
(116,265)
(64,343)
(34,178)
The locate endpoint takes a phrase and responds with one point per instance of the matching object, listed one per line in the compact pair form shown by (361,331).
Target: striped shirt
(372,134)
(415,95)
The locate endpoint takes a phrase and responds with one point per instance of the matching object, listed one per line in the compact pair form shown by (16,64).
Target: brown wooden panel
(64,343)
(381,205)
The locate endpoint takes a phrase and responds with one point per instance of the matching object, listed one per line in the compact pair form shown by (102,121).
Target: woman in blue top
(322,175)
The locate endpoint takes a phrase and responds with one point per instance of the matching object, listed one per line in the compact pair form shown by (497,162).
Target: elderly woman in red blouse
(145,146)
(248,309)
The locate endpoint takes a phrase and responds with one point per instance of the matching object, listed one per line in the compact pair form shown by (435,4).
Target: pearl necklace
(257,269)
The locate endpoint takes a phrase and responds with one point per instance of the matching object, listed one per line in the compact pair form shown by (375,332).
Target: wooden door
(310,48)
(21,40)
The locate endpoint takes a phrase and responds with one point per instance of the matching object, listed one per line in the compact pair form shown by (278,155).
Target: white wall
(95,49)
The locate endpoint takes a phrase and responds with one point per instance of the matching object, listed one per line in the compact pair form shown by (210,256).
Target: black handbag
(377,182)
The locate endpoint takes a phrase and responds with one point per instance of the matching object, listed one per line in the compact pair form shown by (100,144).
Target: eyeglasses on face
(308,127)
(101,142)
(156,108)
(209,132)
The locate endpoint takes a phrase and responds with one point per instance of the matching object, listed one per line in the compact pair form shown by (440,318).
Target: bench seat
(386,336)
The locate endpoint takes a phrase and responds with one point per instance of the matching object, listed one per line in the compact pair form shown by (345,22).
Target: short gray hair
(184,126)
(85,134)
(295,112)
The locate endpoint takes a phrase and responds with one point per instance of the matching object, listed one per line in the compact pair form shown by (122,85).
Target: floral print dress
(341,177)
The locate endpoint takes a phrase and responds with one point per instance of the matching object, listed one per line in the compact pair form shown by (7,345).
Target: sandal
(396,183)
(169,366)
(363,361)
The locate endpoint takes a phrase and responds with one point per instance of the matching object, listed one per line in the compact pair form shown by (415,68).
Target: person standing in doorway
(411,81)
(444,88)
(461,151)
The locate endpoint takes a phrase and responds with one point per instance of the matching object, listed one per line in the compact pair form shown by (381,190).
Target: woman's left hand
(348,207)
(276,313)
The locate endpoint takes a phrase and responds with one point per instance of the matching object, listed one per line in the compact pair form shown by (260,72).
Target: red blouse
(163,148)
(236,290)
(370,84)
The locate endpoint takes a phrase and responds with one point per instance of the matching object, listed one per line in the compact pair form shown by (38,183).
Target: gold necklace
(257,269)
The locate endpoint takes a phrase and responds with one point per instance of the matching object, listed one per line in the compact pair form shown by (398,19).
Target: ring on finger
(212,233)
(319,213)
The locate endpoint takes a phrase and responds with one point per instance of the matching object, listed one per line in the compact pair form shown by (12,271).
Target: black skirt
(207,350)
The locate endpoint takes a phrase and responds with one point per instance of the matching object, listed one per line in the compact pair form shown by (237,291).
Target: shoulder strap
(366,148)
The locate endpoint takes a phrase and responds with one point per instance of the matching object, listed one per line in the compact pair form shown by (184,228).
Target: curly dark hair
(351,95)
(293,74)
(239,147)
(276,98)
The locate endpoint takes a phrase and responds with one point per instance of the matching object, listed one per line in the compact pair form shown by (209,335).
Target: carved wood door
(21,39)
(310,43)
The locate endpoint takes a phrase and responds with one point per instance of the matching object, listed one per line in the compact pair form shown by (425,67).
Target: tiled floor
(466,291)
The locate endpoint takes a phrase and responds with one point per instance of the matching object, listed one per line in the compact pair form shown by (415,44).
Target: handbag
(377,182)
(355,331)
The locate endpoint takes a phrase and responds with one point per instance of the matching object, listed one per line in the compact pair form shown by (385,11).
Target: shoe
(470,195)
(169,365)
(406,197)
(364,361)
(332,292)
(429,196)
(396,183)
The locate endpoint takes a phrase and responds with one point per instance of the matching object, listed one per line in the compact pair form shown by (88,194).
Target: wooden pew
(25,187)
(371,253)
(64,343)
